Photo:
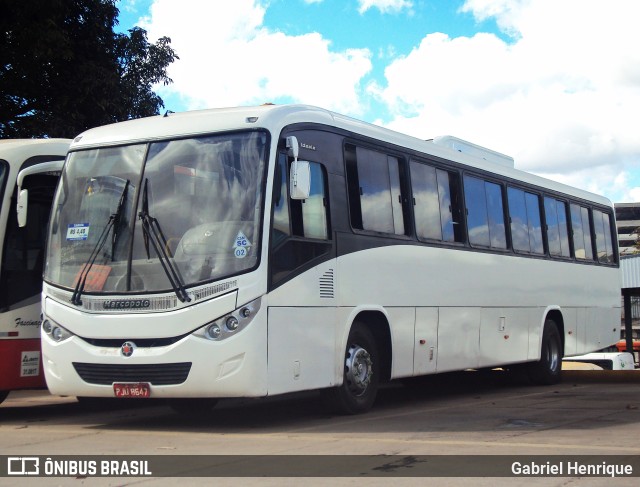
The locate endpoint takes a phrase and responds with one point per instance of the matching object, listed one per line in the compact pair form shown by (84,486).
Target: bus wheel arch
(367,363)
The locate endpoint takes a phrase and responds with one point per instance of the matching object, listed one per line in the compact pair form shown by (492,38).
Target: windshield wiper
(152,231)
(117,220)
(113,222)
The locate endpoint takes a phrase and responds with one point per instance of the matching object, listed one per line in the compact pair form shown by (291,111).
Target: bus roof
(276,117)
(21,149)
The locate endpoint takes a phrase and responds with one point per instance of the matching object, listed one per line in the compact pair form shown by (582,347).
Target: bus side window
(309,217)
(485,213)
(300,229)
(281,227)
(526,227)
(581,232)
(426,206)
(604,242)
(450,206)
(557,232)
(435,203)
(375,191)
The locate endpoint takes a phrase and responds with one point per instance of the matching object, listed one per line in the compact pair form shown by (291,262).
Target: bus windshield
(157,217)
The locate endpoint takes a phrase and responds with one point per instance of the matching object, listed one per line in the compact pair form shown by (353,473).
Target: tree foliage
(63,69)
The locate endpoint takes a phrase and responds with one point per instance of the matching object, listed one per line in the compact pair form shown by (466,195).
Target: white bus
(29,172)
(248,252)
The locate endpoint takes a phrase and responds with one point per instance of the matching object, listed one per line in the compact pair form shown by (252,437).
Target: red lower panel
(20,364)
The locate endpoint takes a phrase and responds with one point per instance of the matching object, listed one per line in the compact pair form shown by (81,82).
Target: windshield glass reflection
(203,194)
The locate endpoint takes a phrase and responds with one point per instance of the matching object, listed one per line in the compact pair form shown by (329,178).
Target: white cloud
(562,97)
(128,5)
(385,6)
(228,57)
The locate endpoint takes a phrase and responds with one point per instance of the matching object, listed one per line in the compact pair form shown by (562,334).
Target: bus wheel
(361,375)
(548,369)
(200,406)
(3,395)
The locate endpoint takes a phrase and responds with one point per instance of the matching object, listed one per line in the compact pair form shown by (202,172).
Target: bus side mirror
(21,209)
(300,176)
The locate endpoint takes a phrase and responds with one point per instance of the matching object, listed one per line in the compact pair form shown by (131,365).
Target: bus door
(21,276)
(302,305)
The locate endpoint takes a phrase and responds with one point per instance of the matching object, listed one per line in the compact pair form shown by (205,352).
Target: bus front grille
(156,374)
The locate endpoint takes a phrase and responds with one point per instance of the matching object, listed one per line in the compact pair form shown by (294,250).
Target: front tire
(548,369)
(361,375)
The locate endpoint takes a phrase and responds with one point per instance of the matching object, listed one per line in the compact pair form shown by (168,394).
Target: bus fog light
(232,323)
(245,312)
(214,331)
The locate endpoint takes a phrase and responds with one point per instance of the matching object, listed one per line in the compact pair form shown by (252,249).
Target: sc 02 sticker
(241,246)
(78,231)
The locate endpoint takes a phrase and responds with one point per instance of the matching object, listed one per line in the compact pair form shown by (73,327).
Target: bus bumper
(234,367)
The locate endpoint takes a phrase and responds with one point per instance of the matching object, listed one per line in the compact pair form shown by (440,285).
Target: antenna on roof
(166,114)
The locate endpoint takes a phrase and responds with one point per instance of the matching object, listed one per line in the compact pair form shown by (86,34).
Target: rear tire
(548,370)
(361,375)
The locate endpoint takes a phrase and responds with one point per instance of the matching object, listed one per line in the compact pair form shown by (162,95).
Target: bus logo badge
(127,349)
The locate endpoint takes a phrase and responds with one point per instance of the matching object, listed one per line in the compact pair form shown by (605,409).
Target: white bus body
(29,171)
(401,258)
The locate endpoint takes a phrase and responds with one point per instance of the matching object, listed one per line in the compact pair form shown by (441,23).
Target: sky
(553,83)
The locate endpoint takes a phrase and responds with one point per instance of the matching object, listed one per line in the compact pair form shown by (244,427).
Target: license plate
(132,390)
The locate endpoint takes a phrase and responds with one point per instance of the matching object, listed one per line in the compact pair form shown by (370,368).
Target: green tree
(63,69)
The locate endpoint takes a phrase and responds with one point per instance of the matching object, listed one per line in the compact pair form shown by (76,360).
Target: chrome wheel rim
(358,370)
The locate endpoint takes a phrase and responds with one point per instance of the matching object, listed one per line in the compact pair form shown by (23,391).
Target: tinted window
(526,230)
(426,201)
(300,228)
(281,221)
(450,206)
(557,233)
(535,224)
(581,232)
(604,242)
(375,191)
(485,213)
(518,216)
(313,211)
(436,200)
